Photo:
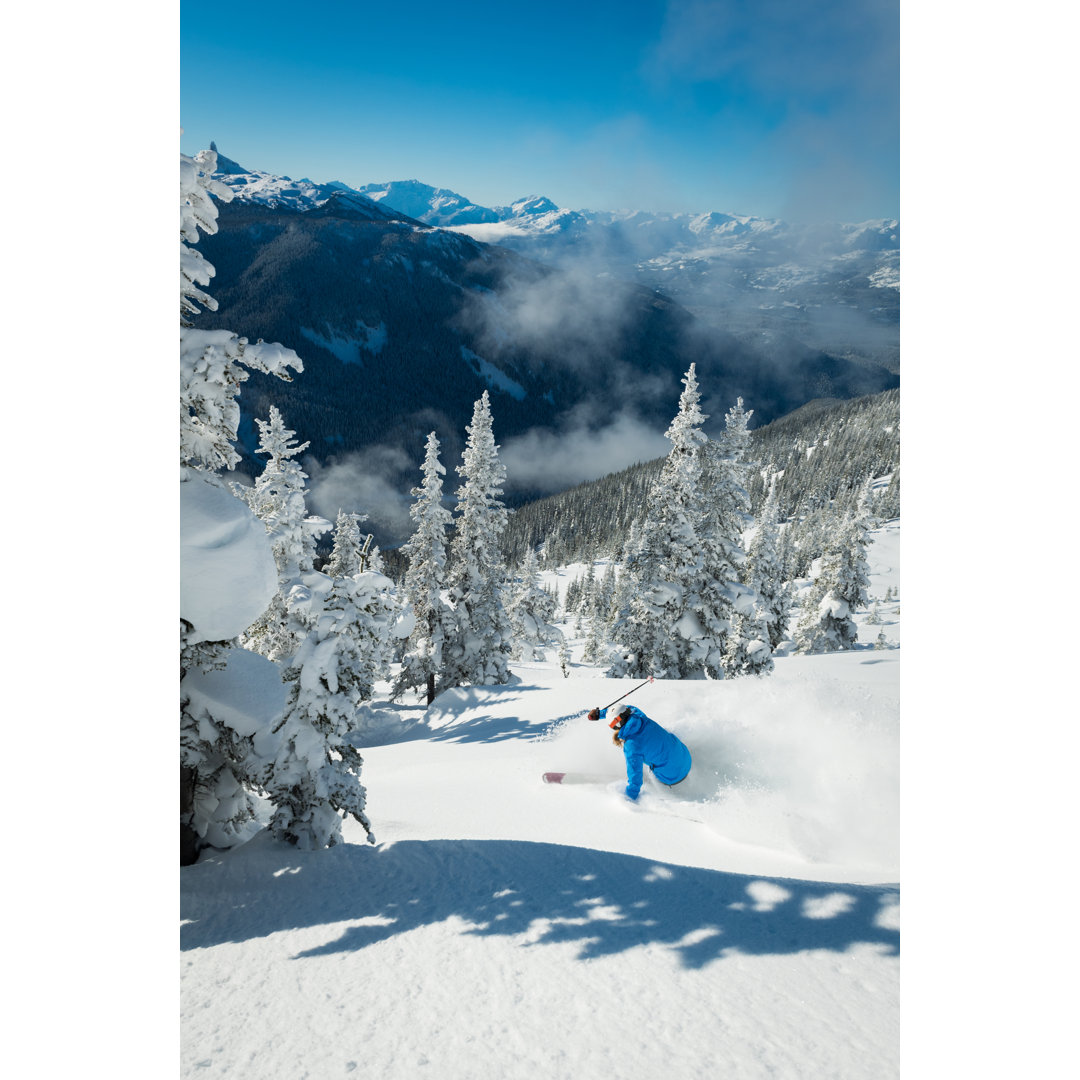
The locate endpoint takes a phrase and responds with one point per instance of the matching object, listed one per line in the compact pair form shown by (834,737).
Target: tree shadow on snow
(543,894)
(497,725)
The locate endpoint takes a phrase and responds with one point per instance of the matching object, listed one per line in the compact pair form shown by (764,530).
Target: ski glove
(594,714)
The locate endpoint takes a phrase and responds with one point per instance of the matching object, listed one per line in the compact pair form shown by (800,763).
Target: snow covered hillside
(742,925)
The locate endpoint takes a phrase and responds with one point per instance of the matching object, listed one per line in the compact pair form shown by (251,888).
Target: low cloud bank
(550,461)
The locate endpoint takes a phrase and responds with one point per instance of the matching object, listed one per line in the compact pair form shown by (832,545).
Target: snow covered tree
(478,635)
(729,605)
(827,623)
(529,612)
(425,578)
(346,556)
(573,596)
(765,572)
(605,593)
(371,557)
(659,633)
(586,597)
(314,779)
(595,650)
(212,362)
(277,499)
(747,650)
(227,568)
(888,505)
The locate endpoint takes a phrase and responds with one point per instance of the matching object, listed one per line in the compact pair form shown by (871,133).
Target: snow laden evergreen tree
(888,505)
(595,650)
(227,570)
(348,552)
(344,626)
(605,593)
(586,599)
(746,649)
(425,579)
(735,640)
(278,500)
(827,621)
(659,632)
(213,363)
(529,610)
(478,635)
(765,572)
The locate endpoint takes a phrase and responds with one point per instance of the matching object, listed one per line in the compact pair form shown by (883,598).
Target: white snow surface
(744,924)
(227,571)
(247,694)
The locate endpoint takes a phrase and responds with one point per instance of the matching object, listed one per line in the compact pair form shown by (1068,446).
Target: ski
(576,778)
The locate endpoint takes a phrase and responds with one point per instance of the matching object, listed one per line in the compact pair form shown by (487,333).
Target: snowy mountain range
(403,323)
(701,259)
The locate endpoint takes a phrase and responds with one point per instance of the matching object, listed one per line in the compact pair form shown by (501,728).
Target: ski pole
(628,693)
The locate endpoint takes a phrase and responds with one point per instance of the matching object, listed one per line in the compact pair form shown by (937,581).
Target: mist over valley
(580,325)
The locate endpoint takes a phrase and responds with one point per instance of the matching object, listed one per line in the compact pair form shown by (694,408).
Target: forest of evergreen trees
(818,455)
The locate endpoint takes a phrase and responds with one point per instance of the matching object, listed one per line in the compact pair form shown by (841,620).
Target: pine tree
(659,631)
(747,650)
(528,610)
(564,658)
(595,650)
(573,597)
(278,500)
(346,557)
(827,623)
(425,579)
(765,572)
(217,763)
(730,611)
(478,638)
(314,780)
(212,362)
(277,497)
(889,502)
(605,595)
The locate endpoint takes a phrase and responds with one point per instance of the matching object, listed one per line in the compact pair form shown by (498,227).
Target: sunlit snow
(744,924)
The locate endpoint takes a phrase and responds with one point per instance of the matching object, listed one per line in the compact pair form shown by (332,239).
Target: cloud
(371,482)
(549,461)
(781,49)
(823,81)
(568,315)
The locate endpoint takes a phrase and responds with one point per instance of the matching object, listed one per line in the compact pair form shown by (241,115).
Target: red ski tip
(553,777)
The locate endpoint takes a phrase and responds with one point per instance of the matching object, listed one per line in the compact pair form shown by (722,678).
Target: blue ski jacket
(645,742)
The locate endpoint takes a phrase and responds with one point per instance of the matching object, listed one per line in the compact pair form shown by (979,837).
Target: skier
(645,742)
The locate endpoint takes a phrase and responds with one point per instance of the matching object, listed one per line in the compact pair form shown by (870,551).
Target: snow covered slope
(745,925)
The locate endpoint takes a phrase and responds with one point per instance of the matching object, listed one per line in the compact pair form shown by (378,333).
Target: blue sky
(770,107)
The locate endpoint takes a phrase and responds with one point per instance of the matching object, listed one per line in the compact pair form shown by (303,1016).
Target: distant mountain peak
(431,205)
(226,165)
(533,204)
(350,203)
